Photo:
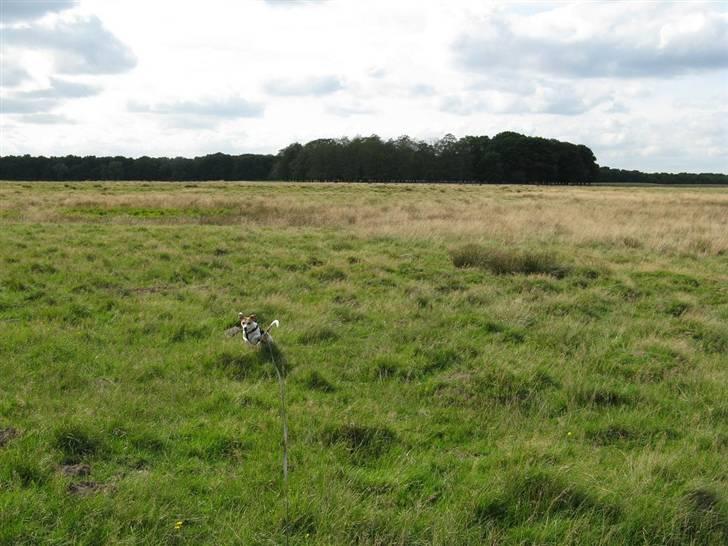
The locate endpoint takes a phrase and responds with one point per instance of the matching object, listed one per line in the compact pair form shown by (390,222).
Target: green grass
(428,403)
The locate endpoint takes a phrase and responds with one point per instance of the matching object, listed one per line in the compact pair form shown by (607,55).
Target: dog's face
(247,320)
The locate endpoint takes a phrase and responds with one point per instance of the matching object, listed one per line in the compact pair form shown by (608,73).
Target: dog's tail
(274,323)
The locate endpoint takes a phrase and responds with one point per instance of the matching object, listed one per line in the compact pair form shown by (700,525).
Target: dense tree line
(607,175)
(506,158)
(209,167)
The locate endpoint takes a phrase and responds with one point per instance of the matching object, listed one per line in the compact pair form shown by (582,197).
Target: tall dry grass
(687,220)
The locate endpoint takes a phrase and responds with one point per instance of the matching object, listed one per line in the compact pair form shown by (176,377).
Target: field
(464,364)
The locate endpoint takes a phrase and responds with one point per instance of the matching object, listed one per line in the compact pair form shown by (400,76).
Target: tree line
(615,176)
(507,157)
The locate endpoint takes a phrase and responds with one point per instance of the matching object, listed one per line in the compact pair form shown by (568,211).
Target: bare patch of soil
(7,434)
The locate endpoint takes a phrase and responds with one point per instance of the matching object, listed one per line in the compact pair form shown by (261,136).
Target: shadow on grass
(539,494)
(252,362)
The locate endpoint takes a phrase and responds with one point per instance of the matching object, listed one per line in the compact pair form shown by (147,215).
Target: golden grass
(669,220)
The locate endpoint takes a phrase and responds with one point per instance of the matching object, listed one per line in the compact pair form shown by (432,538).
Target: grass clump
(505,261)
(316,335)
(538,494)
(317,382)
(76,443)
(362,443)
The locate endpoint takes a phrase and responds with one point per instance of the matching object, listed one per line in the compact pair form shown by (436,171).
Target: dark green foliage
(607,174)
(507,157)
(503,261)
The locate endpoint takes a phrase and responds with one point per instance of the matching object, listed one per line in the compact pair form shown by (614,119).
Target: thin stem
(284,422)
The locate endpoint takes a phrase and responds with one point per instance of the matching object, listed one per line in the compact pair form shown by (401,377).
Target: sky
(643,84)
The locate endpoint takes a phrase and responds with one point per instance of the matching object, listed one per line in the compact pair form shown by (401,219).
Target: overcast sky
(644,84)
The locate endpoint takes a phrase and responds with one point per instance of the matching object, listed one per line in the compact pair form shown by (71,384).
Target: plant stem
(284,422)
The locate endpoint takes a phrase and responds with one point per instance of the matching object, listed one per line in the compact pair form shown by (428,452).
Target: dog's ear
(254,317)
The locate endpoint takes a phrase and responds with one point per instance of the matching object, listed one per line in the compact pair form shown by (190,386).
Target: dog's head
(247,320)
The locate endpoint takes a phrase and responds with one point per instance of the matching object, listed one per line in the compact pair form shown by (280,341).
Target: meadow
(464,364)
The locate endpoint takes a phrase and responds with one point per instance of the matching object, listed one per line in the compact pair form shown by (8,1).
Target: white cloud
(228,107)
(13,11)
(316,86)
(78,46)
(566,42)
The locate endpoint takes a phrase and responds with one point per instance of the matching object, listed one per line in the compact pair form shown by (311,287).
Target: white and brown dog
(252,332)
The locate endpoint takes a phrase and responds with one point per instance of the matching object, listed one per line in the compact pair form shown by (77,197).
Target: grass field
(465,365)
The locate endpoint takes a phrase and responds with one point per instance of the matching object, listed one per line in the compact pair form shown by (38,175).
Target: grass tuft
(538,494)
(362,443)
(317,335)
(76,443)
(703,517)
(317,382)
(504,261)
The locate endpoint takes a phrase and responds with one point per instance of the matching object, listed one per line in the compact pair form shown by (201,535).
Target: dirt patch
(80,469)
(7,434)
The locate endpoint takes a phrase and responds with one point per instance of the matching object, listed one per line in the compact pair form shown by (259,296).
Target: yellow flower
(178,525)
(568,433)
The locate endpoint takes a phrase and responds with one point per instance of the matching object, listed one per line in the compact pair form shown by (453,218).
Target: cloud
(15,105)
(292,3)
(47,98)
(11,74)
(62,89)
(213,109)
(421,90)
(349,109)
(315,86)
(13,11)
(573,46)
(46,119)
(80,46)
(543,98)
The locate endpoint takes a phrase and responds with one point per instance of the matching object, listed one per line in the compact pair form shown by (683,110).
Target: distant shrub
(503,261)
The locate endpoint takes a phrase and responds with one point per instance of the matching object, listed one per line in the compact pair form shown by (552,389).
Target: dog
(252,332)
